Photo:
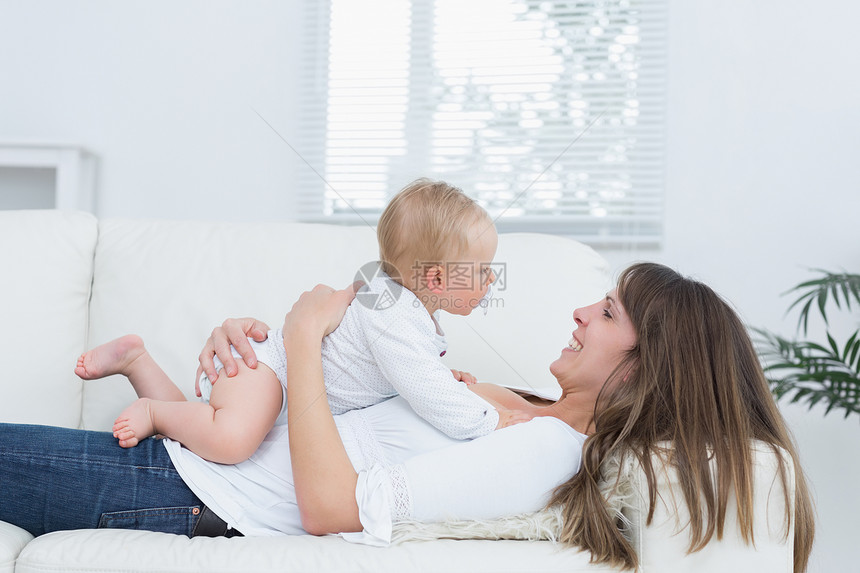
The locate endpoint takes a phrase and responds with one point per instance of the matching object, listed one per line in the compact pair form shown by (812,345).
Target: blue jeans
(59,478)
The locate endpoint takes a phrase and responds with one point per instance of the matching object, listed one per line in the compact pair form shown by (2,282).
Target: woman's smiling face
(603,336)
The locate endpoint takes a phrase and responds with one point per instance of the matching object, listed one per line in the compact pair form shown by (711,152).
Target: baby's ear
(434,278)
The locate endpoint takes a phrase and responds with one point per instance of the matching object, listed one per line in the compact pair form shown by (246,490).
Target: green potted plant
(812,372)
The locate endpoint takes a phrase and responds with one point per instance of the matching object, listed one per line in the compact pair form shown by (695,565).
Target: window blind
(550,114)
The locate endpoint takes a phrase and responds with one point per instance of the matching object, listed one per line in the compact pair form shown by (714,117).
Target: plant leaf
(833,345)
(805,371)
(822,303)
(854,360)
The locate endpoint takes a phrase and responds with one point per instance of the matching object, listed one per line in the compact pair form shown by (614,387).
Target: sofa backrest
(72,282)
(662,545)
(172,282)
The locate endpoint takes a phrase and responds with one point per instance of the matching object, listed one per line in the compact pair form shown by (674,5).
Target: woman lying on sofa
(661,358)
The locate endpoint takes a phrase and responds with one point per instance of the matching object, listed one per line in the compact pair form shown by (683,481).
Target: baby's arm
(512,409)
(435,394)
(403,346)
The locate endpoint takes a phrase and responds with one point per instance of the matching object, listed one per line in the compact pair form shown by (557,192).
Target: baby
(435,245)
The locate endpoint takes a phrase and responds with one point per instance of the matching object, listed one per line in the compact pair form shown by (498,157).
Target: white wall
(762,181)
(165,94)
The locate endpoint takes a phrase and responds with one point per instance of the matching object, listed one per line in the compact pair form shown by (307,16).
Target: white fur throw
(616,486)
(544,524)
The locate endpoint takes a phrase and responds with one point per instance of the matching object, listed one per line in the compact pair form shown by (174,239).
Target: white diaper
(269,352)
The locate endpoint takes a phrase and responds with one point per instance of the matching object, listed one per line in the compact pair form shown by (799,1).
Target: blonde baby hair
(428,222)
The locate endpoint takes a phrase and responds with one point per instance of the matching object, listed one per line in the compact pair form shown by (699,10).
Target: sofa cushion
(47,259)
(12,541)
(97,551)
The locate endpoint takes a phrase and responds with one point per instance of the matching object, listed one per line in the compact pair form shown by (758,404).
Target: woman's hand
(235,332)
(319,311)
(464,377)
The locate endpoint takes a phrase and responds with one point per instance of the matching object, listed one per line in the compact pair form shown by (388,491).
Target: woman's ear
(434,278)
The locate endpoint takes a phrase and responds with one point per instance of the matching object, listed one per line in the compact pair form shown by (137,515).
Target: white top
(387,344)
(407,470)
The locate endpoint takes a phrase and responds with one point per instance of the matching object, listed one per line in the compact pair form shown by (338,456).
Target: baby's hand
(511,417)
(464,377)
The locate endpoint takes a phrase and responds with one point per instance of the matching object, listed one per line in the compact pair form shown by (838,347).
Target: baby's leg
(227,430)
(127,356)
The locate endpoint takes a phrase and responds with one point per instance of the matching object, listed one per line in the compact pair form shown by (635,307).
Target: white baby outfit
(407,470)
(387,344)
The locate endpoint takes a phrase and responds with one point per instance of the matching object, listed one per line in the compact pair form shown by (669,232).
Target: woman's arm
(502,397)
(324,477)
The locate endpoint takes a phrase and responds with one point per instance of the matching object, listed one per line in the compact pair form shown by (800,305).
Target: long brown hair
(694,380)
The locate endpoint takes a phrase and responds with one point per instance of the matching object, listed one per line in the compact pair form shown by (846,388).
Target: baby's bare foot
(115,357)
(134,424)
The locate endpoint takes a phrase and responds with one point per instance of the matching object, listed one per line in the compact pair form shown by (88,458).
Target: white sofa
(71,282)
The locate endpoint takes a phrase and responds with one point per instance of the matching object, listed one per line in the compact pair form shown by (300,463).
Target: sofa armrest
(12,541)
(47,260)
(662,545)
